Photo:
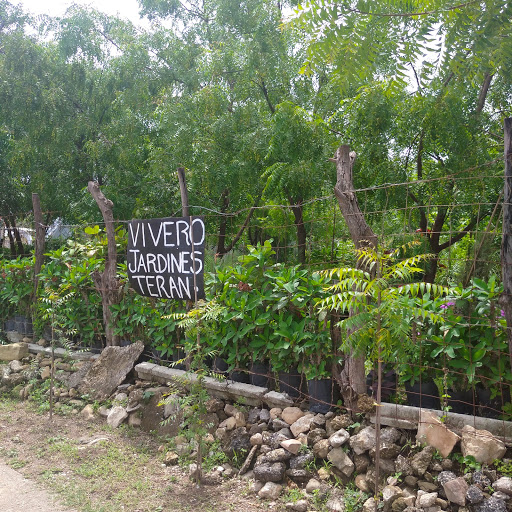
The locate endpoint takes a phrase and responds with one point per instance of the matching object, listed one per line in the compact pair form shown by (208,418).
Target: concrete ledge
(251,395)
(405,416)
(60,352)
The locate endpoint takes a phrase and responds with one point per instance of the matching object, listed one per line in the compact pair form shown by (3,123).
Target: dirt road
(17,494)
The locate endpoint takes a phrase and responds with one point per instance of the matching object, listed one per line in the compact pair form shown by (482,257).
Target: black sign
(164,255)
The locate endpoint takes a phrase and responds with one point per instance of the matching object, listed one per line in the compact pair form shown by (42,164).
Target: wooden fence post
(506,241)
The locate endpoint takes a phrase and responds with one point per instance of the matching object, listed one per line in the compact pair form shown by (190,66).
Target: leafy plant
(384,302)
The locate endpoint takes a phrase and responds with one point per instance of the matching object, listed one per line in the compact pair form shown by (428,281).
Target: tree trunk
(12,245)
(17,236)
(352,378)
(39,243)
(106,282)
(506,242)
(221,240)
(301,229)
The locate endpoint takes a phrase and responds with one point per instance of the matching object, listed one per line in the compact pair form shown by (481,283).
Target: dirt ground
(93,468)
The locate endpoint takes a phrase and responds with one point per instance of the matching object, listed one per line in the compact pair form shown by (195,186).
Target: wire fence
(458,361)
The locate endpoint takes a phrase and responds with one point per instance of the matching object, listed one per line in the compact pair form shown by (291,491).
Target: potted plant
(383,301)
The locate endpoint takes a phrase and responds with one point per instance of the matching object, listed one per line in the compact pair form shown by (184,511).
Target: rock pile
(279,448)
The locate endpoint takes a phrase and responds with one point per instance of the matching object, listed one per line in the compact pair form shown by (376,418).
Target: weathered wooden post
(106,282)
(506,241)
(39,243)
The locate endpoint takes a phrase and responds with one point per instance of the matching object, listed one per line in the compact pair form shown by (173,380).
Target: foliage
(384,302)
(471,342)
(17,287)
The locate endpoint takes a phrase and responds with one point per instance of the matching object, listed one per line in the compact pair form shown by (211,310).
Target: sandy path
(17,494)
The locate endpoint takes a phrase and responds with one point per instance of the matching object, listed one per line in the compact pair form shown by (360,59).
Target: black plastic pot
(10,325)
(240,376)
(323,395)
(491,407)
(423,394)
(290,382)
(462,402)
(388,383)
(260,374)
(179,355)
(220,366)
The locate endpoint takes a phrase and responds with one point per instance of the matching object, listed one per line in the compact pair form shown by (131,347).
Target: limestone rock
(339,438)
(270,491)
(321,449)
(110,370)
(421,460)
(297,506)
(116,416)
(313,485)
(291,415)
(433,432)
(364,441)
(13,351)
(268,472)
(482,445)
(370,505)
(341,461)
(504,485)
(456,490)
(87,412)
(303,424)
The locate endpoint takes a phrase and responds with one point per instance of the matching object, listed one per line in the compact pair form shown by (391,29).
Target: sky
(125,8)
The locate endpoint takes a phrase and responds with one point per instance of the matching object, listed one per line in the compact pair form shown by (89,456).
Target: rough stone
(301,461)
(403,465)
(278,455)
(491,505)
(313,485)
(387,450)
(456,490)
(389,494)
(421,460)
(433,432)
(363,441)
(339,438)
(474,494)
(256,440)
(315,435)
(321,449)
(303,424)
(292,445)
(270,491)
(268,472)
(504,485)
(361,462)
(110,370)
(478,478)
(426,499)
(482,445)
(275,412)
(336,423)
(370,505)
(298,475)
(362,484)
(341,461)
(13,351)
(298,506)
(87,412)
(291,414)
(116,416)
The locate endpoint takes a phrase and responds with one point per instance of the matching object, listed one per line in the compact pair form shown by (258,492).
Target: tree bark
(8,228)
(39,243)
(221,240)
(183,192)
(506,242)
(106,282)
(301,229)
(352,378)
